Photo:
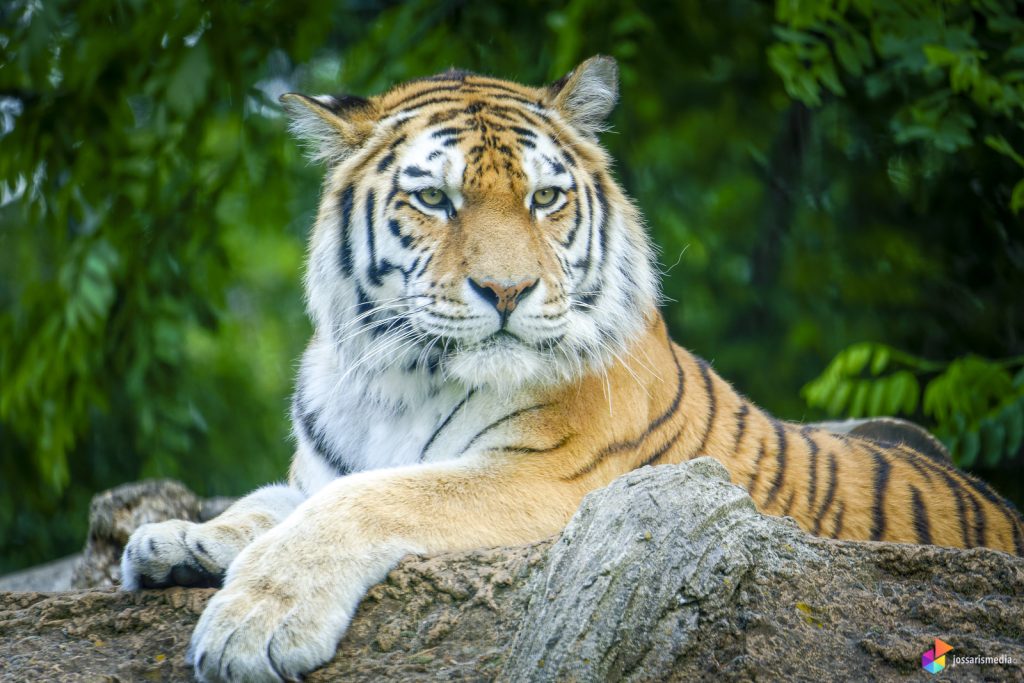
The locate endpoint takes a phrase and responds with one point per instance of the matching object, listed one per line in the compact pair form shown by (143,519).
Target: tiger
(487,349)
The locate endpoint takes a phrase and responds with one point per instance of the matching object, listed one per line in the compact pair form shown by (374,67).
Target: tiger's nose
(503,295)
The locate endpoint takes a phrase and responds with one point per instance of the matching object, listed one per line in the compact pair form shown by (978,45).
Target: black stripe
(385,162)
(557,167)
(363,306)
(812,458)
(306,420)
(571,237)
(1018,537)
(447,132)
(584,264)
(912,458)
(424,93)
(528,118)
(415,172)
(980,519)
(444,423)
(788,507)
(345,247)
(426,103)
(423,267)
(602,202)
(373,272)
(960,494)
(630,444)
(500,421)
(961,491)
(780,457)
(705,373)
(756,472)
(661,451)
(482,84)
(921,525)
(533,449)
(503,113)
(514,97)
(741,425)
(1006,507)
(396,229)
(569,157)
(882,470)
(589,298)
(830,494)
(837,524)
(400,139)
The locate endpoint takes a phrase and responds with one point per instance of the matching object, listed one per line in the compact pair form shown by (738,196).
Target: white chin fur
(502,366)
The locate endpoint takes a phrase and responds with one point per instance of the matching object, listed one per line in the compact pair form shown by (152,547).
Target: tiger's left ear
(332,127)
(587,94)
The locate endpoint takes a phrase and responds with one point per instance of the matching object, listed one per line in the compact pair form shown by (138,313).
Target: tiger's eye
(432,197)
(545,197)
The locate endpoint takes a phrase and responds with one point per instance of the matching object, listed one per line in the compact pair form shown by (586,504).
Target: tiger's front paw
(174,553)
(260,629)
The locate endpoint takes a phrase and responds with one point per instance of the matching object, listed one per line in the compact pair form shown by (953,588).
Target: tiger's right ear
(586,95)
(331,127)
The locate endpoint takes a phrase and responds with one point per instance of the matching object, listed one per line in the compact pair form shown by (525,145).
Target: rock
(669,573)
(115,514)
(52,576)
(891,430)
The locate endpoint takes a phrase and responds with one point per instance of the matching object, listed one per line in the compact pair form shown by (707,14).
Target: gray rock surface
(52,576)
(667,574)
(115,514)
(890,430)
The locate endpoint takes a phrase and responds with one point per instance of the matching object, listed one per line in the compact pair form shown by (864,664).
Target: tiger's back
(668,405)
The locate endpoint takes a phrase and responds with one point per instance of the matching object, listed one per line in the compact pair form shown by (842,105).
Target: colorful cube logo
(933,661)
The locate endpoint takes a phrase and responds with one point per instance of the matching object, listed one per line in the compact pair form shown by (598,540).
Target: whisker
(378,323)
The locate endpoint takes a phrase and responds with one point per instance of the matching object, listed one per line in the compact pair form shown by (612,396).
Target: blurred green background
(836,189)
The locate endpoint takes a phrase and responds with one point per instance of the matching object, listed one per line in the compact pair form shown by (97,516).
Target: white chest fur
(354,421)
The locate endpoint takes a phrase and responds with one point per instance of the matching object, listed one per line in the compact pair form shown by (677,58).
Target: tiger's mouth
(503,337)
(500,358)
(501,340)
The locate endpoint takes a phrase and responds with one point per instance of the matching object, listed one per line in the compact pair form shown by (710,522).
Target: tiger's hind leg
(182,553)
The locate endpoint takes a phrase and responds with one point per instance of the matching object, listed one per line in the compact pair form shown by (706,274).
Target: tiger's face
(470,230)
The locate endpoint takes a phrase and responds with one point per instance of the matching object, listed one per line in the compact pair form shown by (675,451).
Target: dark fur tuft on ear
(587,95)
(339,104)
(330,126)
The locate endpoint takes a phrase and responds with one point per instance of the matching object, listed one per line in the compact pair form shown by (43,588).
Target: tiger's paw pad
(173,553)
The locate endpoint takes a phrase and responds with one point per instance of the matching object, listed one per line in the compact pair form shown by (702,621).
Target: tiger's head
(470,229)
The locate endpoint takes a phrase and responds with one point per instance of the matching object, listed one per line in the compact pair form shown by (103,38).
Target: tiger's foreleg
(289,596)
(182,553)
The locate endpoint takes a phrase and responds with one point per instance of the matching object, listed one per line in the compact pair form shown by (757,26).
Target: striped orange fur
(832,484)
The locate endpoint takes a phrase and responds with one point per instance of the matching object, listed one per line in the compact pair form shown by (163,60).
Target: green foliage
(127,176)
(832,172)
(958,66)
(954,72)
(975,405)
(853,383)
